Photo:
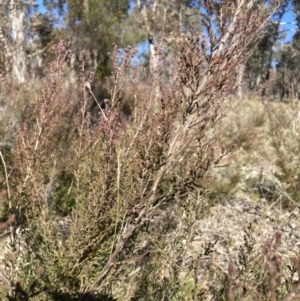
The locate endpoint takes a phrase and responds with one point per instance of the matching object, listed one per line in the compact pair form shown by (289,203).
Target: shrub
(107,203)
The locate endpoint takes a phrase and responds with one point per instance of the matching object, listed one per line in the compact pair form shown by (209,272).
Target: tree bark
(17,20)
(239,80)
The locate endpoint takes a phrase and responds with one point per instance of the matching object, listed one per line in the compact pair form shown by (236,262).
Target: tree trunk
(144,13)
(17,20)
(239,80)
(5,54)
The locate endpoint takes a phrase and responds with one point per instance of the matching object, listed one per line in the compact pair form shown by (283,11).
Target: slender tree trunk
(5,54)
(17,20)
(4,66)
(239,80)
(151,36)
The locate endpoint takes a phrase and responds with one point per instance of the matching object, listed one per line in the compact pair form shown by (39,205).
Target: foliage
(106,205)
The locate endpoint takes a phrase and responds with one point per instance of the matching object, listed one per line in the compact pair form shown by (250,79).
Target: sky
(288,28)
(41,7)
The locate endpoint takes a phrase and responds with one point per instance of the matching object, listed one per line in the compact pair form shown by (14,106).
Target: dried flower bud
(3,193)
(277,259)
(295,262)
(231,270)
(267,247)
(278,236)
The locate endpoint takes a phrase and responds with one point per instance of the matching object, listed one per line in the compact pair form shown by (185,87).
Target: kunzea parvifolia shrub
(107,203)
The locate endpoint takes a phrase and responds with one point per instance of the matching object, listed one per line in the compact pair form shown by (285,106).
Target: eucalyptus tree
(13,37)
(93,26)
(166,20)
(259,64)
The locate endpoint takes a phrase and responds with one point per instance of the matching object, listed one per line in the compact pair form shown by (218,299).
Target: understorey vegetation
(102,198)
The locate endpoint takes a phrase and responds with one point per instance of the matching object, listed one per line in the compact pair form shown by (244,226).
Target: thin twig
(6,176)
(5,280)
(87,85)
